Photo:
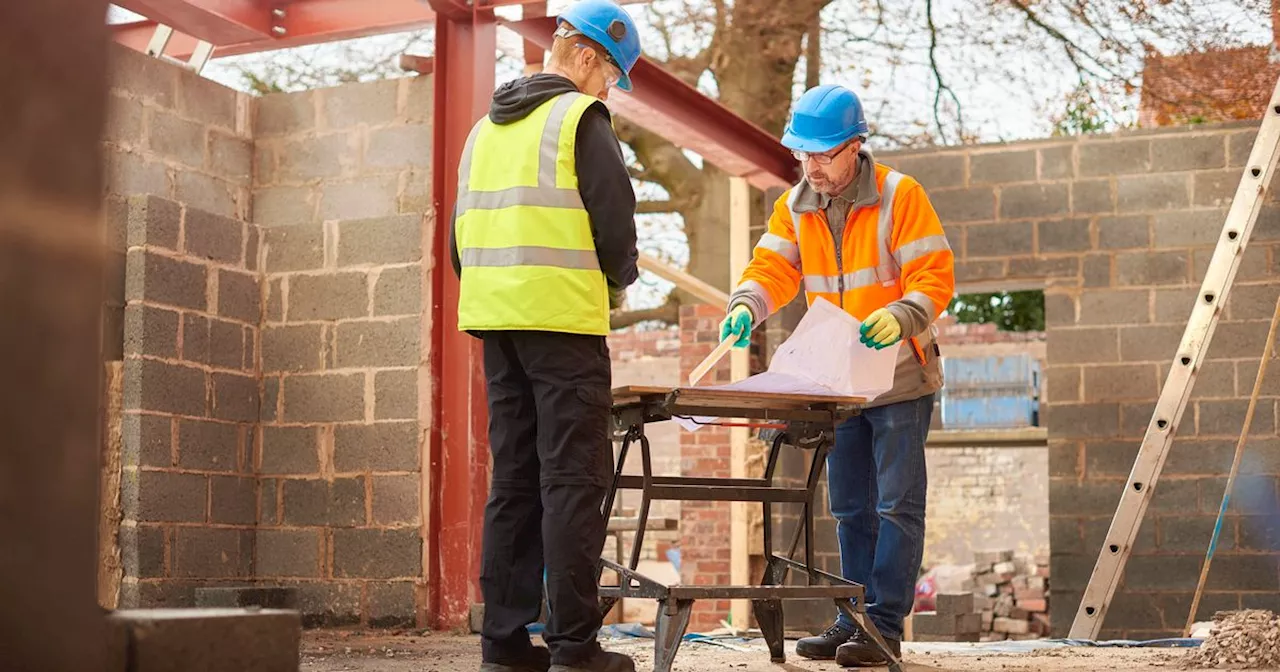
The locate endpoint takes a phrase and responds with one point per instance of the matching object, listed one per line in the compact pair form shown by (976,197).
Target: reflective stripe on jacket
(893,254)
(523,234)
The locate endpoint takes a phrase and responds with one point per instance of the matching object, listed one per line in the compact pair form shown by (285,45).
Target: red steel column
(459,451)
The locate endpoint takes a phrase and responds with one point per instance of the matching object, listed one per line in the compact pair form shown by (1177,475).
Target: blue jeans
(877,482)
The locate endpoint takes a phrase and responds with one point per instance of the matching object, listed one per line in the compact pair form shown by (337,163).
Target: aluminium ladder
(1218,279)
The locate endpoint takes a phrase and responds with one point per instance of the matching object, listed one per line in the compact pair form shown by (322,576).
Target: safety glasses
(820,159)
(612,73)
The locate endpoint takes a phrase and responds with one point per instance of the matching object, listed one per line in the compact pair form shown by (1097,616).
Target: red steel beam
(465,59)
(216,21)
(305,22)
(664,104)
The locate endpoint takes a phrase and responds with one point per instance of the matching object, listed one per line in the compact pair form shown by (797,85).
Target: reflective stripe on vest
(524,236)
(889,266)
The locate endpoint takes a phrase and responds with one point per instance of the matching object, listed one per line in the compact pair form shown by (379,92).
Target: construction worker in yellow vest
(544,242)
(864,237)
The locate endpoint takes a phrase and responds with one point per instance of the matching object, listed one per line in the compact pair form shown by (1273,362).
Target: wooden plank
(620,524)
(700,289)
(739,368)
(110,567)
(692,396)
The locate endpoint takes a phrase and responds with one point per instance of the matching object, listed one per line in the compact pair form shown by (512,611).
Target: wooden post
(739,367)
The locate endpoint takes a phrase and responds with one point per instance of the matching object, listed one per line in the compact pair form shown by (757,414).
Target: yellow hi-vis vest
(523,235)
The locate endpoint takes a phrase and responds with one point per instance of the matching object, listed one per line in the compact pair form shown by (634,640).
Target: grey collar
(862,192)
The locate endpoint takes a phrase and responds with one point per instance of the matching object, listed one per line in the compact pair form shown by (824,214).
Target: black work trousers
(549,408)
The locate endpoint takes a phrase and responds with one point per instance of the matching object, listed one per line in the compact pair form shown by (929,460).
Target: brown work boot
(823,647)
(603,661)
(538,659)
(861,651)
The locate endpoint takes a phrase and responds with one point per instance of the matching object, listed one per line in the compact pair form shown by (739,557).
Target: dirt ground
(351,651)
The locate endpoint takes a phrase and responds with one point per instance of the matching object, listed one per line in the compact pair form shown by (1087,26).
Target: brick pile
(1011,594)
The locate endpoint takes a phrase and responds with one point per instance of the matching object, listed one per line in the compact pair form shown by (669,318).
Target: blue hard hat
(824,118)
(608,25)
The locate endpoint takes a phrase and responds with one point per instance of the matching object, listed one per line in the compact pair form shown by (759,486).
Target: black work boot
(538,659)
(823,647)
(602,661)
(861,651)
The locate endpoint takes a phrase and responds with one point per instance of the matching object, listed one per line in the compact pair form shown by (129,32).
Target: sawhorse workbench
(805,422)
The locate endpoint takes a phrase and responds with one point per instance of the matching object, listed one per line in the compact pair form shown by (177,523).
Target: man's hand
(880,330)
(617,297)
(738,323)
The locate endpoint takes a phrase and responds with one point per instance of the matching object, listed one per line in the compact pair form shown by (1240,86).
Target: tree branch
(663,162)
(937,75)
(668,313)
(1068,45)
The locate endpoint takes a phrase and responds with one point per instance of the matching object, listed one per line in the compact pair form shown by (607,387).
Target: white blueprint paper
(823,357)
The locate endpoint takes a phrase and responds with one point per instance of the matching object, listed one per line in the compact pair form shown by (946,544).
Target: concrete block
(332,296)
(289,553)
(1112,383)
(1157,344)
(476,618)
(329,604)
(1189,153)
(268,505)
(421,99)
(1152,192)
(294,248)
(319,502)
(1011,626)
(1135,269)
(235,397)
(416,196)
(1083,420)
(1004,166)
(231,157)
(116,217)
(1188,228)
(142,76)
(399,147)
(1057,162)
(1034,200)
(214,237)
(1056,267)
(1216,188)
(239,297)
(276,597)
(208,446)
(1111,157)
(378,343)
(383,446)
(964,205)
(391,604)
(226,345)
(977,271)
(1135,417)
(1226,418)
(377,554)
(968,637)
(1124,231)
(211,640)
(153,221)
(234,500)
(292,348)
(264,162)
(398,291)
(395,499)
(1090,196)
(283,205)
(333,397)
(387,240)
(288,449)
(252,247)
(1174,305)
(1119,306)
(371,103)
(935,171)
(195,338)
(284,113)
(1085,499)
(395,395)
(1062,383)
(999,240)
(270,398)
(150,330)
(142,551)
(1063,235)
(359,199)
(154,278)
(1179,534)
(1095,270)
(275,301)
(954,603)
(147,440)
(207,101)
(128,174)
(1239,146)
(939,624)
(207,193)
(151,385)
(161,496)
(175,138)
(317,156)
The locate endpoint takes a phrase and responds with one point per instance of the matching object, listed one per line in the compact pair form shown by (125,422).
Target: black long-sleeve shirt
(603,179)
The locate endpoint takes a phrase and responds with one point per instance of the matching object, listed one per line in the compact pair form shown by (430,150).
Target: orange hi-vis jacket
(893,254)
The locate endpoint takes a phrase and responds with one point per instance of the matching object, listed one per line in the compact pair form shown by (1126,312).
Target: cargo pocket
(594,420)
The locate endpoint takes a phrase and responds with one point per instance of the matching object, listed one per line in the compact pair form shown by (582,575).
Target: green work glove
(617,297)
(738,323)
(880,330)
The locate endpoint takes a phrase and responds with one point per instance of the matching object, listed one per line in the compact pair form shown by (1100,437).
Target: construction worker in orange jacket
(864,237)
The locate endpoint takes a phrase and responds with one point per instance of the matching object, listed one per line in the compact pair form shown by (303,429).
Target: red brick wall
(630,345)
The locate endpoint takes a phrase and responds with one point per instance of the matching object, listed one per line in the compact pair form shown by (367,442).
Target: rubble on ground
(1002,597)
(1240,640)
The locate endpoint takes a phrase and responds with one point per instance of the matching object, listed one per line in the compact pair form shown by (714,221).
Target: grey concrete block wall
(341,175)
(1119,230)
